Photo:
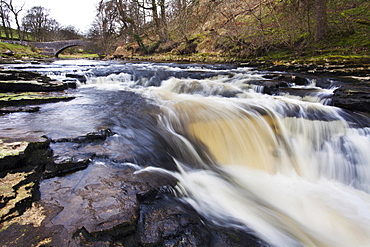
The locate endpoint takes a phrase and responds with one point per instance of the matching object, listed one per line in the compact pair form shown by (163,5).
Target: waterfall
(291,169)
(294,172)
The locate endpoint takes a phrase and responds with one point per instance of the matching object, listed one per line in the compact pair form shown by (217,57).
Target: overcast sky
(78,13)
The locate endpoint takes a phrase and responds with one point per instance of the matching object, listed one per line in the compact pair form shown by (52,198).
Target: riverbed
(263,153)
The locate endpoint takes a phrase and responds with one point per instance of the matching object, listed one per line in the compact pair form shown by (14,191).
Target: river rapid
(290,168)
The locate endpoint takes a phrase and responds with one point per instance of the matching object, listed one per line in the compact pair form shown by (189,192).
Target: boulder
(9,53)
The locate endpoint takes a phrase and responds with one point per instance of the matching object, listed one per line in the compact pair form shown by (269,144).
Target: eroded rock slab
(31,86)
(19,88)
(20,154)
(100,203)
(35,98)
(26,81)
(16,193)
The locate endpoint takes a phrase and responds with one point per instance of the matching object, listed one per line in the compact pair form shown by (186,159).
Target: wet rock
(165,221)
(74,154)
(66,165)
(21,166)
(272,86)
(31,86)
(17,191)
(81,77)
(34,228)
(70,83)
(99,203)
(23,81)
(12,109)
(324,82)
(22,154)
(34,98)
(332,68)
(100,135)
(274,76)
(279,68)
(301,81)
(19,88)
(12,75)
(353,97)
(106,204)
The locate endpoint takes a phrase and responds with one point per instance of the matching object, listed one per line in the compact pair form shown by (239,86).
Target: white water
(290,169)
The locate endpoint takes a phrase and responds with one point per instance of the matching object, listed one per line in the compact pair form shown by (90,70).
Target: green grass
(78,56)
(19,50)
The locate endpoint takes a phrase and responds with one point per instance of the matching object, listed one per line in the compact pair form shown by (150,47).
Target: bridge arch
(54,48)
(64,48)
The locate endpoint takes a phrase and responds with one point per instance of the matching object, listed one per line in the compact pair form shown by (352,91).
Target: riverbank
(341,65)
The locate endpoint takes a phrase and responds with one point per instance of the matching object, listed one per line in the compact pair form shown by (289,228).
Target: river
(290,167)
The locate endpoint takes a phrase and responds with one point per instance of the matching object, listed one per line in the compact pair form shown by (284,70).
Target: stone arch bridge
(54,48)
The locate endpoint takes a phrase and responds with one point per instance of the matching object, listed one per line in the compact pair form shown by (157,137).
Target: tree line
(240,27)
(36,25)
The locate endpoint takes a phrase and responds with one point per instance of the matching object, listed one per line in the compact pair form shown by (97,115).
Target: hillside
(243,30)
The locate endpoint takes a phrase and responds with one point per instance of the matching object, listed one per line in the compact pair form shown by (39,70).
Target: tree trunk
(4,17)
(155,15)
(20,35)
(321,20)
(16,12)
(164,31)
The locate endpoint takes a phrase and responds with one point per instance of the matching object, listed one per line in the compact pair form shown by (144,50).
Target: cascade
(286,167)
(295,172)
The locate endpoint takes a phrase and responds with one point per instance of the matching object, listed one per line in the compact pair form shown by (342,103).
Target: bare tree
(5,19)
(158,16)
(40,24)
(69,32)
(15,10)
(104,29)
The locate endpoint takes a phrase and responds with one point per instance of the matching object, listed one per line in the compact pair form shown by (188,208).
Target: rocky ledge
(23,81)
(19,89)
